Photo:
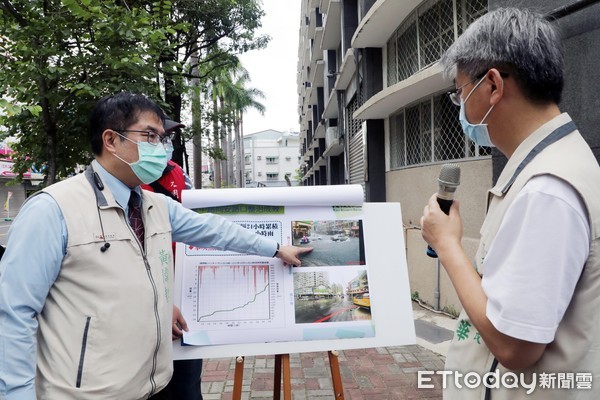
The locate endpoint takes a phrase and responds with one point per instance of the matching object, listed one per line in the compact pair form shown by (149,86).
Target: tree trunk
(173,99)
(230,177)
(242,150)
(217,163)
(196,124)
(223,141)
(240,161)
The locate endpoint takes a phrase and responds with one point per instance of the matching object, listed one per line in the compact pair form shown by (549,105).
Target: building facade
(373,107)
(269,157)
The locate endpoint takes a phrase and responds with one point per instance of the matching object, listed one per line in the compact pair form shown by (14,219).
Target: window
(258,158)
(247,160)
(272,160)
(272,176)
(259,173)
(288,158)
(424,36)
(429,132)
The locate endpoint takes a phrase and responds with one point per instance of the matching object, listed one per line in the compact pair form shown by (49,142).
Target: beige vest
(105,329)
(575,352)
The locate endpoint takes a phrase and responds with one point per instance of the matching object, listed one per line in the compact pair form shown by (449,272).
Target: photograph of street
(335,242)
(333,295)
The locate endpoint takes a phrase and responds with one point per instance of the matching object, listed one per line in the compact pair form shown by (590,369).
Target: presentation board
(373,258)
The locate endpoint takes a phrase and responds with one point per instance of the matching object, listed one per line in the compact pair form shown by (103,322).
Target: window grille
(354,125)
(424,36)
(272,176)
(272,160)
(428,132)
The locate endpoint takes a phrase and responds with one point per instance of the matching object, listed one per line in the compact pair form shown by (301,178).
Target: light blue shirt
(37,243)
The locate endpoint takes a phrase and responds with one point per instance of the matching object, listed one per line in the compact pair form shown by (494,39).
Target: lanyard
(553,137)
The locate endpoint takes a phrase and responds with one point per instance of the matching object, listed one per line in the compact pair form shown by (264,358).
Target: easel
(282,364)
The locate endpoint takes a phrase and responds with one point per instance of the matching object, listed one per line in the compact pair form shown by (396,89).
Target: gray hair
(519,42)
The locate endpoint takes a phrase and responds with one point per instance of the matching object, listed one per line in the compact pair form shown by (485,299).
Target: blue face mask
(152,160)
(478,133)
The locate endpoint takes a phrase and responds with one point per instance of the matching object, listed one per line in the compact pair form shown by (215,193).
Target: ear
(109,137)
(496,84)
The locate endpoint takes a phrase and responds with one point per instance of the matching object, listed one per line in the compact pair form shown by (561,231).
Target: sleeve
(34,252)
(535,261)
(210,230)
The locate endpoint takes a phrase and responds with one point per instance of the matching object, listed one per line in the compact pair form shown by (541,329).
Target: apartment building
(373,107)
(270,156)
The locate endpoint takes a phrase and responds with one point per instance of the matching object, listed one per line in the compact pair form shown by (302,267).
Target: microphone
(448,181)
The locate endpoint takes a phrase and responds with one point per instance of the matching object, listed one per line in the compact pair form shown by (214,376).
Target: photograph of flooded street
(335,243)
(331,296)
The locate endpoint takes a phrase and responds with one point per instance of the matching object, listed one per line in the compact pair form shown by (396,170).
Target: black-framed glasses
(152,137)
(455,94)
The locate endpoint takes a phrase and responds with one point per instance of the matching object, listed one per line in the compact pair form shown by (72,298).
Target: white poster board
(382,234)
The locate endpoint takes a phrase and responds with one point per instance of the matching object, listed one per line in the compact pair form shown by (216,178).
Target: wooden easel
(282,364)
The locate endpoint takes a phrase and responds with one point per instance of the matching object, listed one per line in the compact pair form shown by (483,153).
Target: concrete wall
(412,187)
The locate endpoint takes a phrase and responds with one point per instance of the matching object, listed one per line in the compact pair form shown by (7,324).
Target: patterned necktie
(135,216)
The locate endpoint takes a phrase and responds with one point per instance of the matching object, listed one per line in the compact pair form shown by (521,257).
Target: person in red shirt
(185,383)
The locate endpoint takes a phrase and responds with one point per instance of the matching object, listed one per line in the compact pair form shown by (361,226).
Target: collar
(119,190)
(525,148)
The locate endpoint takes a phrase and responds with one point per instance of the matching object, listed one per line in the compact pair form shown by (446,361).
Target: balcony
(332,33)
(392,98)
(381,21)
(333,145)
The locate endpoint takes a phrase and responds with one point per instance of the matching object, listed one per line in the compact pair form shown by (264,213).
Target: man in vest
(529,326)
(86,282)
(185,382)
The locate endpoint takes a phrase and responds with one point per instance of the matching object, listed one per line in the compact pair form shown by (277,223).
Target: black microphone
(105,247)
(448,181)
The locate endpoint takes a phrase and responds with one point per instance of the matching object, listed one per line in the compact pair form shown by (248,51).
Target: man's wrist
(276,251)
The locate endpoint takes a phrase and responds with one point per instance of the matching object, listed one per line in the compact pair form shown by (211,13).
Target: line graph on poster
(232,294)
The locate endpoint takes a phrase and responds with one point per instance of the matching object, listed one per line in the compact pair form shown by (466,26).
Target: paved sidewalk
(369,374)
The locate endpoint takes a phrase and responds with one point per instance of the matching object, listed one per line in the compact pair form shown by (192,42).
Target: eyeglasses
(455,94)
(152,137)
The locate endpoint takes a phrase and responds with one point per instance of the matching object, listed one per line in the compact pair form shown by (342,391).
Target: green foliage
(451,310)
(61,56)
(58,57)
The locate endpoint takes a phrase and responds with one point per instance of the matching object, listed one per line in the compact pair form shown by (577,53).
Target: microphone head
(449,176)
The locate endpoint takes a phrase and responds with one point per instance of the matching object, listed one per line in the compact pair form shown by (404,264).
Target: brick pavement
(384,373)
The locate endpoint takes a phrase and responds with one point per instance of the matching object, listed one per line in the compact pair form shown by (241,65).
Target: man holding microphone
(530,302)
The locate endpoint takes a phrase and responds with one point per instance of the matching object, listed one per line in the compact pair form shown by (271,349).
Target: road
(329,310)
(4,225)
(328,252)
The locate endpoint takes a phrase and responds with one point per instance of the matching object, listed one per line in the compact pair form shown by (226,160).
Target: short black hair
(118,111)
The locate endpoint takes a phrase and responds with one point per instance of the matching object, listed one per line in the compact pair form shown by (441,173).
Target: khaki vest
(575,351)
(105,329)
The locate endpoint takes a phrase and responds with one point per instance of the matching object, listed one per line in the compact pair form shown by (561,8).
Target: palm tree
(231,98)
(243,99)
